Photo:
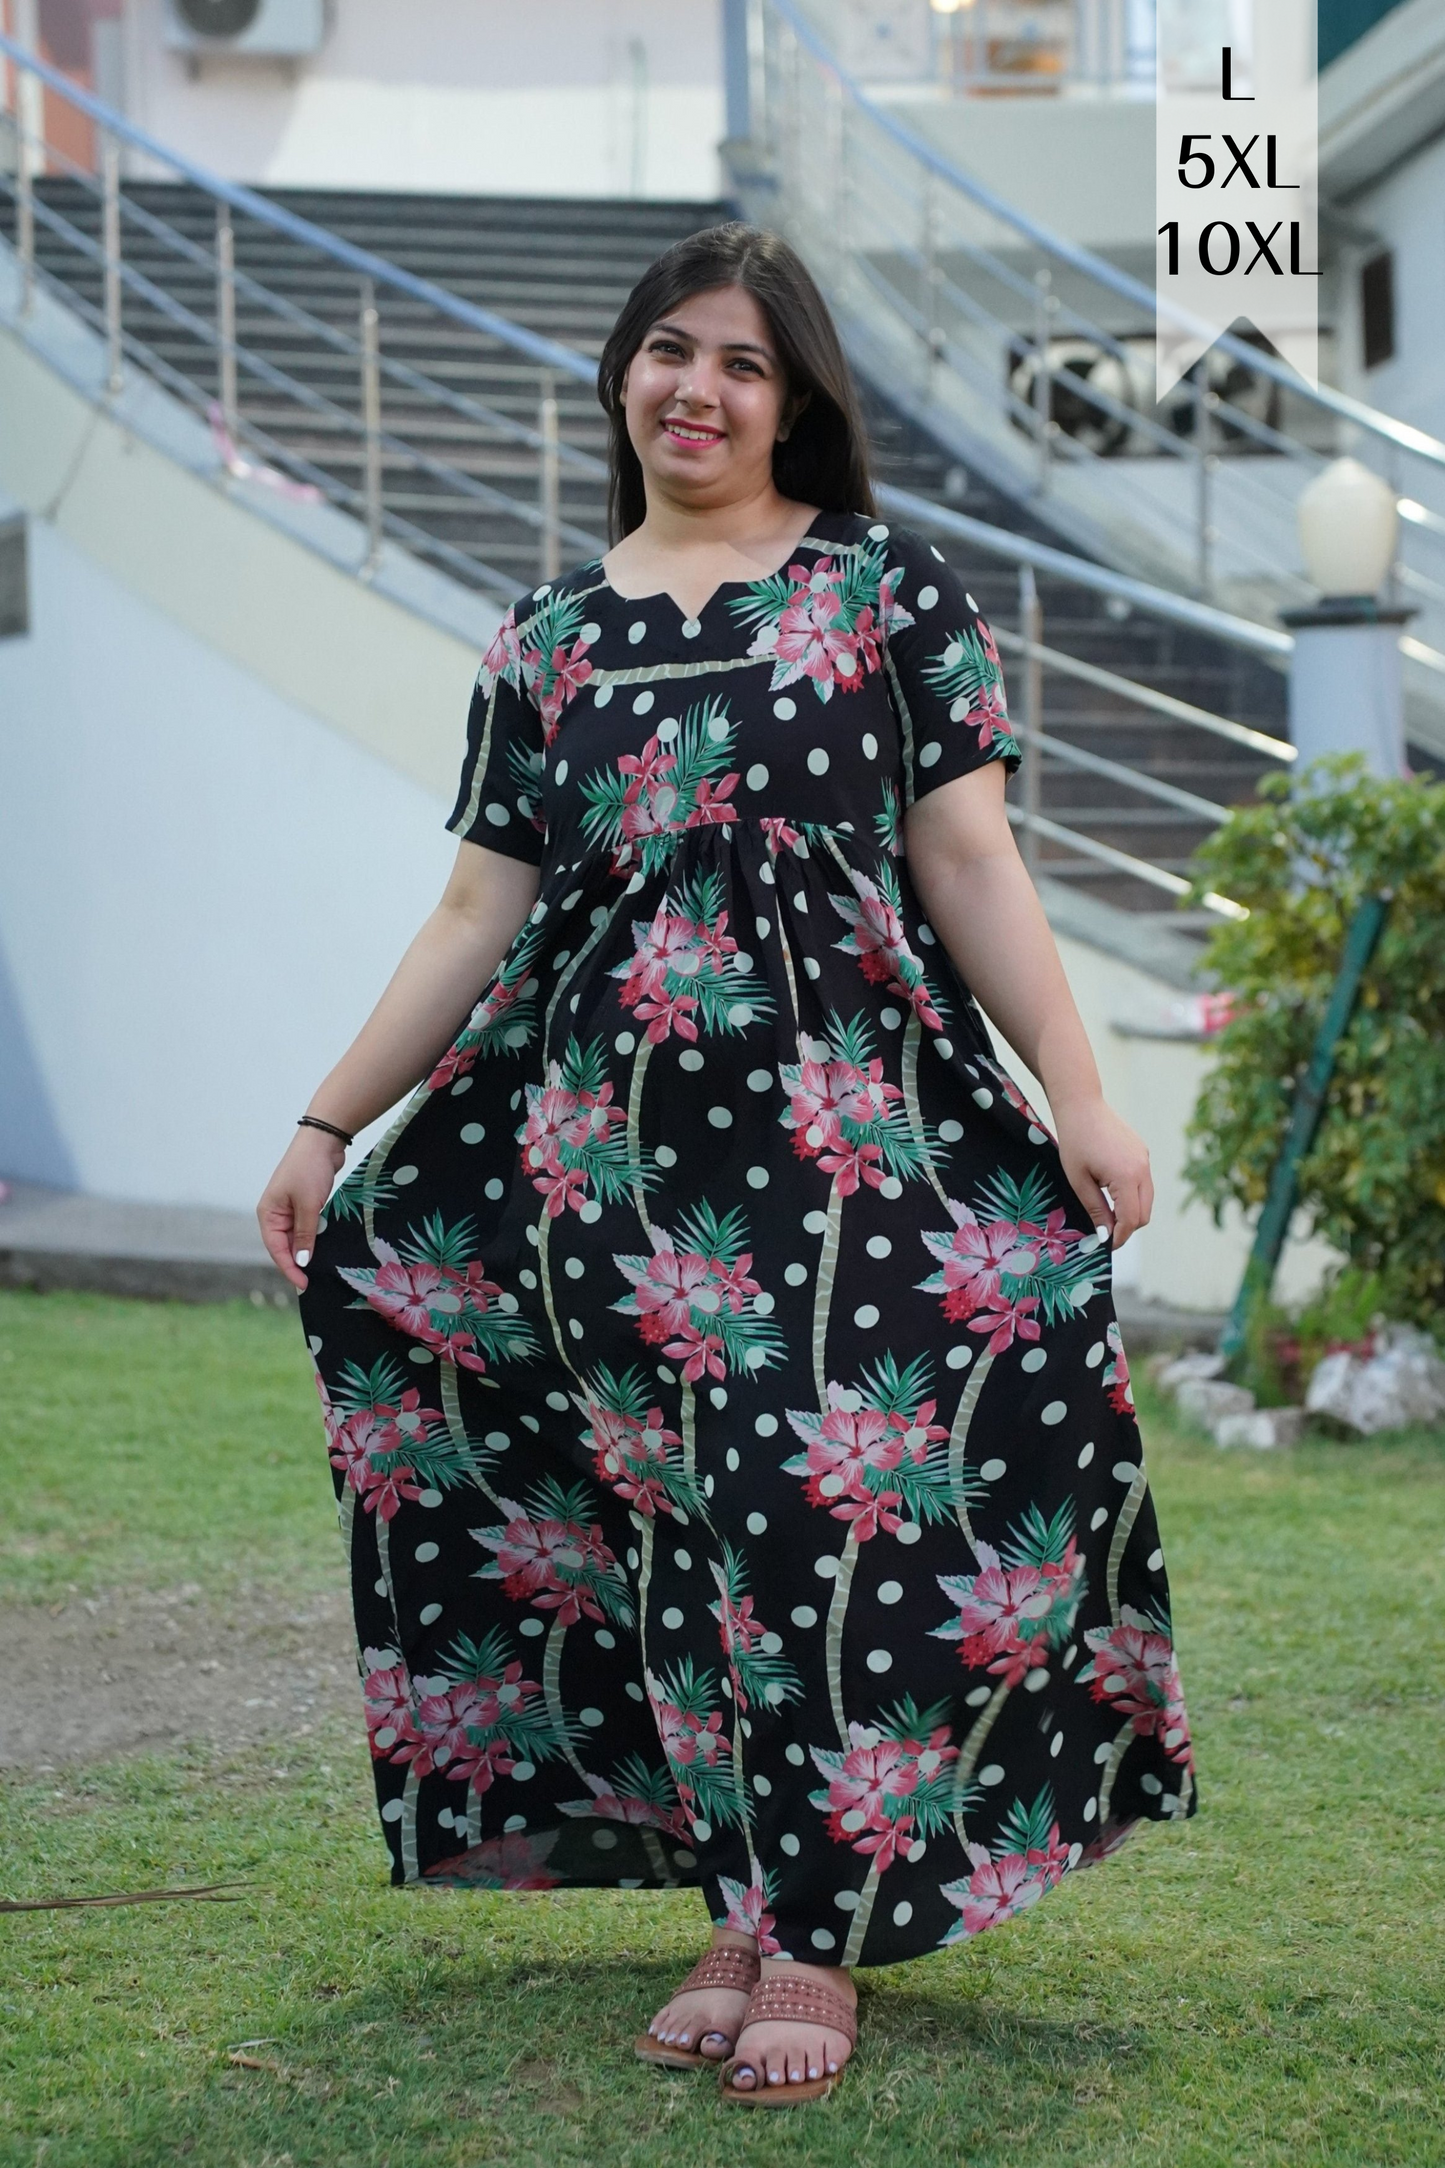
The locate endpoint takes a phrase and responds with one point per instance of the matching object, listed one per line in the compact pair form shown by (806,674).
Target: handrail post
(1031,627)
(932,279)
(371,424)
(24,208)
(1205,401)
(226,318)
(110,242)
(1043,376)
(549,479)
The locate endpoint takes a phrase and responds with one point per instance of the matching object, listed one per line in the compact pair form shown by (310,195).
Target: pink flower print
(711,802)
(974,1259)
(876,937)
(891,612)
(1054,1238)
(640,1813)
(370,1435)
(1007,1319)
(460,1059)
(541,1560)
(686,1737)
(516,1860)
(567,672)
(850,1441)
(747,1912)
(503,658)
(700,1353)
(1135,1670)
(715,944)
(648,769)
(1116,1376)
(670,946)
(734,1285)
(997,1890)
(427,1302)
(1002,1611)
(388,1700)
(628,1457)
(780,833)
(670,1286)
(1049,1862)
(808,639)
(861,1786)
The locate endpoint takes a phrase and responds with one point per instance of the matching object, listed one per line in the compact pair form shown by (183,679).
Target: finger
(303,1232)
(1095,1203)
(1128,1213)
(1146,1199)
(275,1222)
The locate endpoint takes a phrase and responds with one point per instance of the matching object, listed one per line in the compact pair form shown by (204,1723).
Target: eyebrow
(739,346)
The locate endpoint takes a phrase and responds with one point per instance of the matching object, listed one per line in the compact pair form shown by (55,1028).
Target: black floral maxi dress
(731,1430)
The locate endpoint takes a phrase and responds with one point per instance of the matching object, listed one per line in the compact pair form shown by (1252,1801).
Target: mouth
(683,432)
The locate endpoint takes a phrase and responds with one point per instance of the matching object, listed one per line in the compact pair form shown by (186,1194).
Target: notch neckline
(695,617)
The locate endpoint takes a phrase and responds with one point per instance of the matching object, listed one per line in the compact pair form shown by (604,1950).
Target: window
(1377,308)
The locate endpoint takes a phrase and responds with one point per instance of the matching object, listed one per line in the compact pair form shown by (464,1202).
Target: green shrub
(1301,859)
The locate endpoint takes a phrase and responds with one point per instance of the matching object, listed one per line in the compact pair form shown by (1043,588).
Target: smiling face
(706,398)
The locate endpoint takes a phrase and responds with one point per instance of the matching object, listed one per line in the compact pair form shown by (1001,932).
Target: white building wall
(1406,210)
(555,98)
(203,889)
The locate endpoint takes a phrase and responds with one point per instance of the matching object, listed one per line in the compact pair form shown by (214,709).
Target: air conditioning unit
(259,29)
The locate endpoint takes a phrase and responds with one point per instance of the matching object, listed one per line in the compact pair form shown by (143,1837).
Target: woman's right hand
(292,1200)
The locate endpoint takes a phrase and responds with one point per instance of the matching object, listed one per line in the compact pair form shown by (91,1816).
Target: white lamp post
(1345,690)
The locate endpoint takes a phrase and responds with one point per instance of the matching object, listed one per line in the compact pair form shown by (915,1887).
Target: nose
(697,387)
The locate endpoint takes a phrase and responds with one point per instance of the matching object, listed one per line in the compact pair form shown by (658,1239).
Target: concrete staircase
(563,268)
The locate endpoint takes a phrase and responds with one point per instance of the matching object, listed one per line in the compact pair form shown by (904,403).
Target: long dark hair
(824,459)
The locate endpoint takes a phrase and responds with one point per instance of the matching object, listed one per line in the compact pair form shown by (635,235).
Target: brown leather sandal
(809,2002)
(728,1966)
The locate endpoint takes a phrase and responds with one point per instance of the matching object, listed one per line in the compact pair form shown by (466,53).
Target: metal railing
(1033,357)
(238,365)
(1102,46)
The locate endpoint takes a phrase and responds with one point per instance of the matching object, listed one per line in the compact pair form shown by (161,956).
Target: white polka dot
(993,1469)
(426,1552)
(1095,1355)
(991,1774)
(811,967)
(978,1697)
(498,815)
(717,729)
(1034,1360)
(430,1613)
(927,596)
(1124,1471)
(472,1133)
(815,1223)
(879,1660)
(702,1830)
(637,630)
(530,1626)
(928,754)
(865,1315)
(668,729)
(983,1097)
(959,1358)
(847,1900)
(766,1426)
(908,1532)
(592,1717)
(404,1176)
(944,1049)
(891,1188)
(1035,1682)
(690,1058)
(643,703)
(804,1615)
(795,1275)
(495,1187)
(1054,1412)
(1101,1514)
(817,761)
(635,1690)
(822,1940)
(665,1156)
(602,695)
(420,1355)
(890,1591)
(718,1396)
(691,627)
(879,1246)
(392,1811)
(574,1268)
(826,1568)
(756,777)
(1037,1135)
(971,603)
(790,1845)
(890,1019)
(1154,1561)
(733,1460)
(560,773)
(785,709)
(604,1639)
(760,1080)
(1087,1455)
(559,1401)
(1150,1783)
(1056,1744)
(672,1618)
(574,1326)
(758,1178)
(757,1524)
(902,1913)
(878,534)
(720,1117)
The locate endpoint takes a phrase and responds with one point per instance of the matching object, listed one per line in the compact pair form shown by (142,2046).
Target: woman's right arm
(432,992)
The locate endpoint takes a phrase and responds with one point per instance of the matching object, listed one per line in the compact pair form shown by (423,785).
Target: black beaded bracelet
(314,1121)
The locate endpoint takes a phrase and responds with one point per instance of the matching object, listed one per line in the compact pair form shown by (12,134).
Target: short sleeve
(499,799)
(944,672)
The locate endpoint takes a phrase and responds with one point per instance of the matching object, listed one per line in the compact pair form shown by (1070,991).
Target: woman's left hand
(1101,1153)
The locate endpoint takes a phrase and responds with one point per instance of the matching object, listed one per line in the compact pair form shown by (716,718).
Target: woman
(717,1355)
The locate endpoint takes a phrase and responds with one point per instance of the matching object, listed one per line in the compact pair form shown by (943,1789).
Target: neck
(756,517)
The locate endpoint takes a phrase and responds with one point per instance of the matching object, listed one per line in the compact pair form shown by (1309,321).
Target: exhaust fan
(265,29)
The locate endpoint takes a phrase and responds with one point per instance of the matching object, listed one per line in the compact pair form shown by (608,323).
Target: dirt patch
(99,1676)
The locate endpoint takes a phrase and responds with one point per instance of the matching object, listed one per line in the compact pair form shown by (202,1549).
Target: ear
(796,403)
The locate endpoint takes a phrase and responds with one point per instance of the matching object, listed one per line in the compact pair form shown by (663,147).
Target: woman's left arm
(985,910)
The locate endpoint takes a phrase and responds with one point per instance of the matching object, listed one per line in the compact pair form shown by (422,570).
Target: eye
(663,346)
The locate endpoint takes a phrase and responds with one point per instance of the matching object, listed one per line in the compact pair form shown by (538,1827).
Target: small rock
(1179,1369)
(1263,1428)
(1403,1382)
(1207,1399)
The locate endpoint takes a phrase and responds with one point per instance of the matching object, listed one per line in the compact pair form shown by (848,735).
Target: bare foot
(771,2052)
(706,2018)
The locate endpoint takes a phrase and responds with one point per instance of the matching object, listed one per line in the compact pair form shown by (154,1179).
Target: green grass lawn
(1261,1986)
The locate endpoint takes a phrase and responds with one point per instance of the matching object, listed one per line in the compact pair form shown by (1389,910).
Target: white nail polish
(1102,1232)
(303,1257)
